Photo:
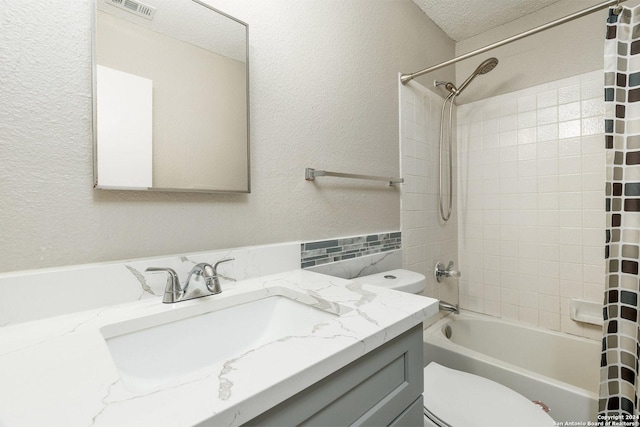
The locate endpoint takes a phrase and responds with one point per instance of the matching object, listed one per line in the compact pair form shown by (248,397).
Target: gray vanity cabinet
(382,388)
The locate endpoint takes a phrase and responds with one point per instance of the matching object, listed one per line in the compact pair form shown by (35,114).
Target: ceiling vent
(135,7)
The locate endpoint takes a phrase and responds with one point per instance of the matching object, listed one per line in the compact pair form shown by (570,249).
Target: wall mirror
(170,97)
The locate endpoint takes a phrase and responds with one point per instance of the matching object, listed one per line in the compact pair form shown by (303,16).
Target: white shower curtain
(620,345)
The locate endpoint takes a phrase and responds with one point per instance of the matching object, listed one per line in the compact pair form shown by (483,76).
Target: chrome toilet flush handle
(441,272)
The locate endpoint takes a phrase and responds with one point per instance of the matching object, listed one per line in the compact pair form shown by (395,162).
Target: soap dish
(586,312)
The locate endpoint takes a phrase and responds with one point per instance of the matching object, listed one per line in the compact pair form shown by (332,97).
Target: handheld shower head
(483,68)
(487,66)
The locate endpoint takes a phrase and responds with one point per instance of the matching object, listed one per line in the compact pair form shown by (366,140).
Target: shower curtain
(620,345)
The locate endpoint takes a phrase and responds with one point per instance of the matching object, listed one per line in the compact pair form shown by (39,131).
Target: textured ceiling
(461,19)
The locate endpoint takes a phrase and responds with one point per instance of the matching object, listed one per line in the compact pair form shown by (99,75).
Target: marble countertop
(59,371)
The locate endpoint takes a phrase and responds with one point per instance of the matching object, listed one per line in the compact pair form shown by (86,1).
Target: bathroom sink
(170,350)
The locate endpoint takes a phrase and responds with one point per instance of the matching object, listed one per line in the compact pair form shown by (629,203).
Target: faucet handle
(451,272)
(441,272)
(173,289)
(215,266)
(215,286)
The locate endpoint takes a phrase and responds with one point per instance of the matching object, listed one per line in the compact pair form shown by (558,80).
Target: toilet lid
(400,280)
(462,399)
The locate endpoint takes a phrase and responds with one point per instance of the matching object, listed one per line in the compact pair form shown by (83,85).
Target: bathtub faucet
(441,272)
(445,306)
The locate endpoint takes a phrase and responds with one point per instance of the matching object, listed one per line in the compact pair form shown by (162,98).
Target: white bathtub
(558,369)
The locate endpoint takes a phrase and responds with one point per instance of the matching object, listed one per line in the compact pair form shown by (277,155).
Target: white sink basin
(159,354)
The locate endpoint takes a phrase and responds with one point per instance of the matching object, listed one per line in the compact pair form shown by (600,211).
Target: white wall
(426,238)
(323,82)
(567,50)
(531,202)
(562,212)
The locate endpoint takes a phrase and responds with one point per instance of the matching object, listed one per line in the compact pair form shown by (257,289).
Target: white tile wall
(426,240)
(531,168)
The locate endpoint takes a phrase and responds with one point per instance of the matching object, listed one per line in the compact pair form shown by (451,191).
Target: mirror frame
(94,122)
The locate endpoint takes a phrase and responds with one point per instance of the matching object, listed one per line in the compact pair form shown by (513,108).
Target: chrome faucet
(207,272)
(441,272)
(445,306)
(174,292)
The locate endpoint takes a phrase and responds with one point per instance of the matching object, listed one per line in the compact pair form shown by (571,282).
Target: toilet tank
(399,280)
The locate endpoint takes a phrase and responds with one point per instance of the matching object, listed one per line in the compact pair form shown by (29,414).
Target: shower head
(483,68)
(487,66)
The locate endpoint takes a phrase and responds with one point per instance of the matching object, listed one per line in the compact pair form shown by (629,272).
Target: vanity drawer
(412,416)
(376,389)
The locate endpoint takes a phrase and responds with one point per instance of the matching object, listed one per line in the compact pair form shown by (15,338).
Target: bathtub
(558,369)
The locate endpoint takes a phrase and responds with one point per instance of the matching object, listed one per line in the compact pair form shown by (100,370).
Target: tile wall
(427,240)
(321,252)
(531,202)
(355,256)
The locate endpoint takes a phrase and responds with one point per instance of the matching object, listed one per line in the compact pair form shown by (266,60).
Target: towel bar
(310,174)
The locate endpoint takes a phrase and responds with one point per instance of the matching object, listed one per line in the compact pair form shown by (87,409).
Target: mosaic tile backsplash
(340,249)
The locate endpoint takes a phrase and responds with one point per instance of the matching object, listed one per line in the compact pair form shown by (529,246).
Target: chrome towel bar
(310,174)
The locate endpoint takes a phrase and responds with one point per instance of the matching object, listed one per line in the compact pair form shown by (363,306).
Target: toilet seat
(459,399)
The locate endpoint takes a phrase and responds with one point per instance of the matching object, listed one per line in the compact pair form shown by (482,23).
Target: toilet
(454,398)
(400,280)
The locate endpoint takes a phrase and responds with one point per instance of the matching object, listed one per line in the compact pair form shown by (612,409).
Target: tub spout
(445,306)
